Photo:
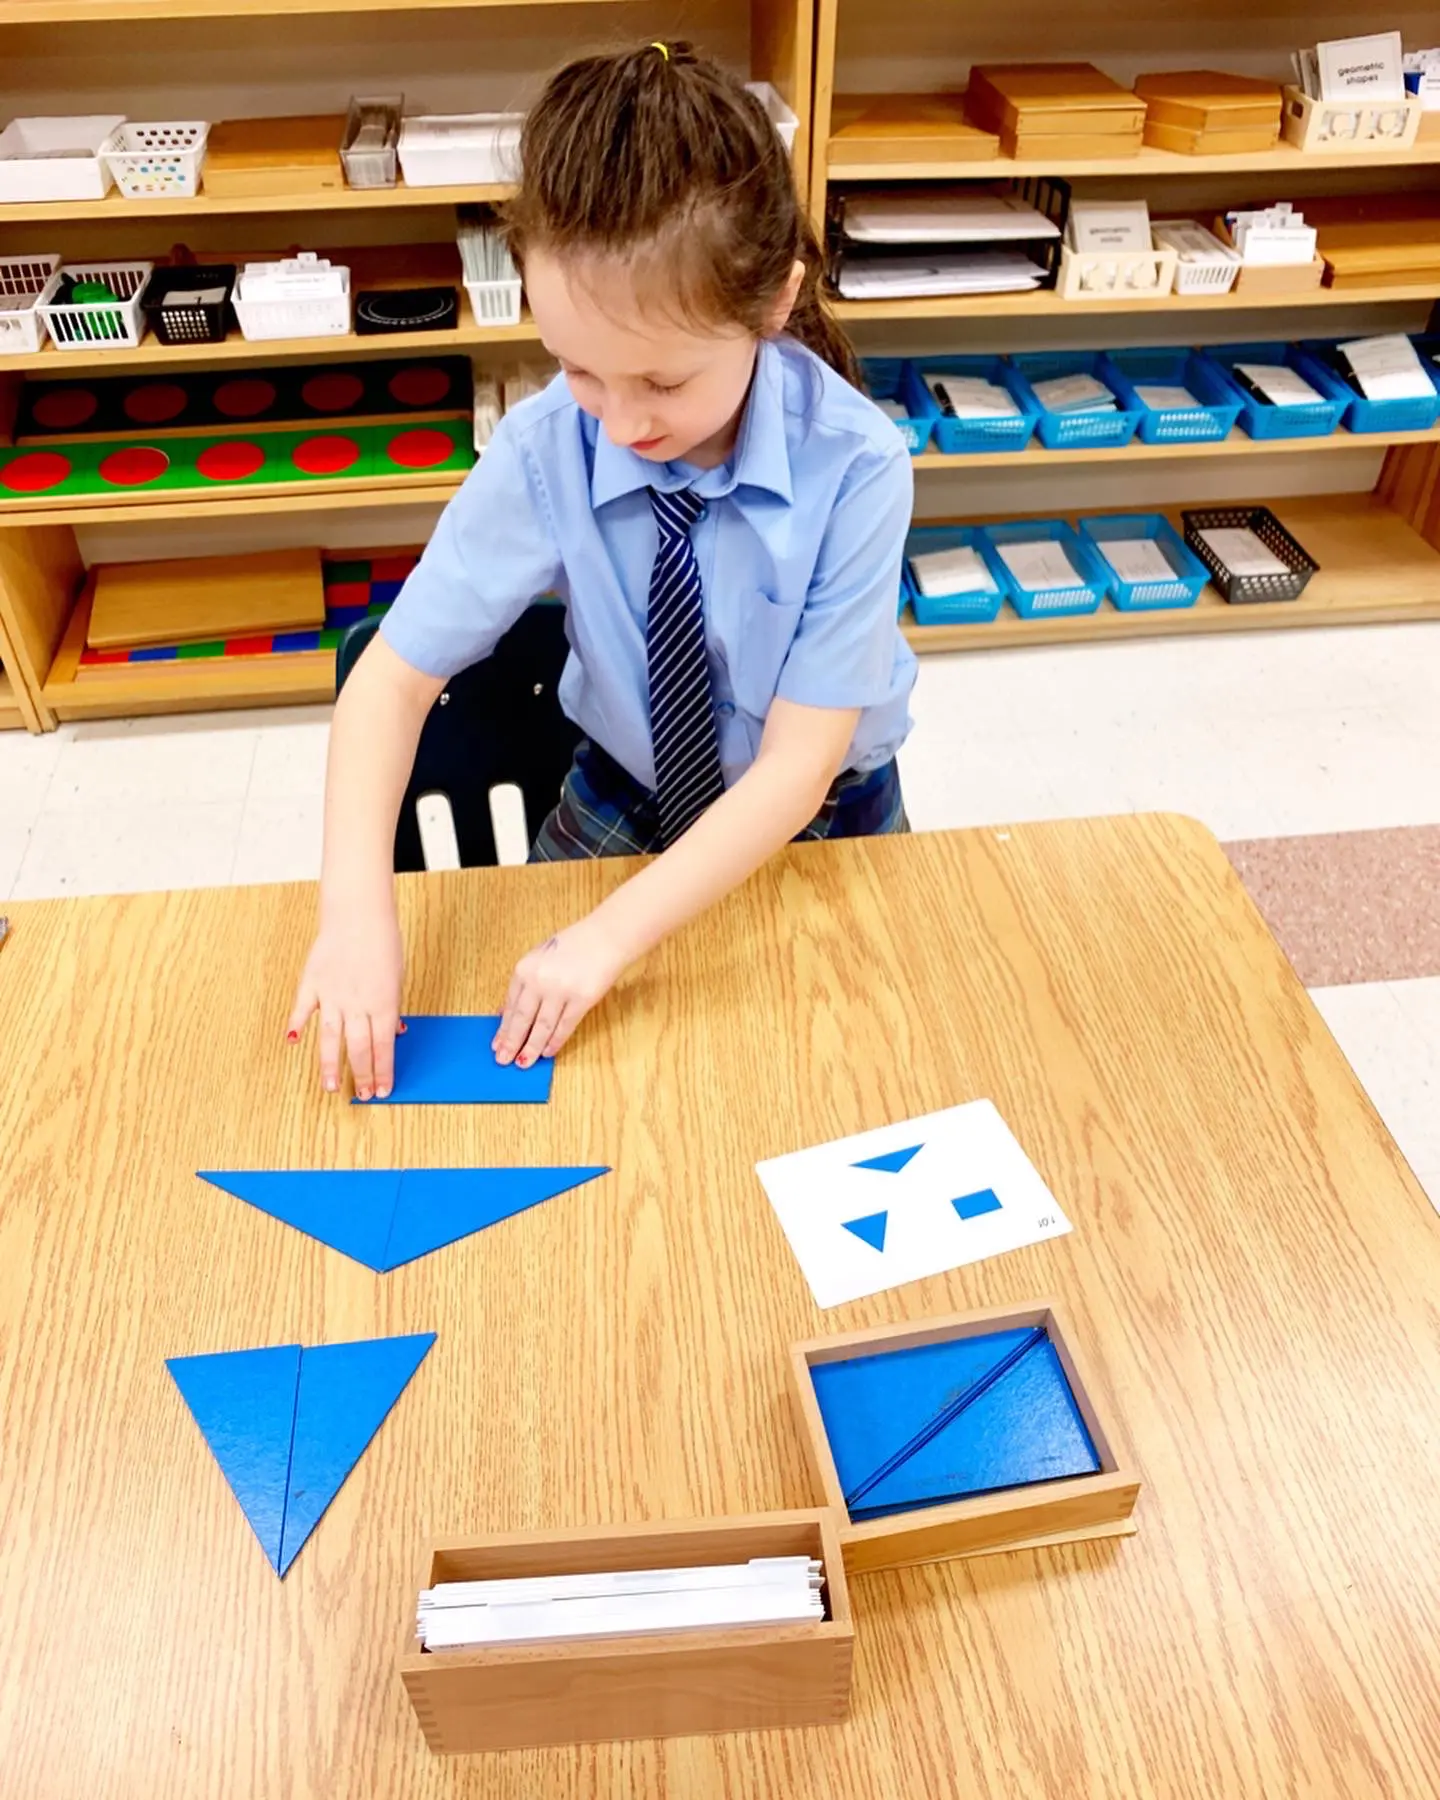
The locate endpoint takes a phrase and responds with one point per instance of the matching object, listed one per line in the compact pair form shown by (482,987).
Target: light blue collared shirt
(799,553)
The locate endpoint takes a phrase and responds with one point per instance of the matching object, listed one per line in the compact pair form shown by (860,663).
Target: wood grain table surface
(1253,1271)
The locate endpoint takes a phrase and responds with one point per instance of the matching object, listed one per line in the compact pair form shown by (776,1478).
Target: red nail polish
(292,1037)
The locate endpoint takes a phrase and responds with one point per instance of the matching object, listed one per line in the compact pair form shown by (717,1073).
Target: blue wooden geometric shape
(345,1392)
(446,1059)
(244,1403)
(971,1206)
(1023,1429)
(892,1162)
(870,1230)
(287,1424)
(385,1217)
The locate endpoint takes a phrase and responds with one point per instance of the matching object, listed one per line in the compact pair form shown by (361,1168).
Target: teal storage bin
(962,437)
(1050,603)
(1079,430)
(954,609)
(1190,574)
(884,378)
(1419,413)
(1213,419)
(1269,423)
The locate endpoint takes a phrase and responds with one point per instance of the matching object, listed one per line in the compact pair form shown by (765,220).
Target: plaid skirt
(604,811)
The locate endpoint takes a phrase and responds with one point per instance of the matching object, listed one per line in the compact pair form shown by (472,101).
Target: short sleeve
(492,553)
(843,652)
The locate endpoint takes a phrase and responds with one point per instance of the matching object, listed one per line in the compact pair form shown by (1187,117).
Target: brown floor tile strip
(1349,906)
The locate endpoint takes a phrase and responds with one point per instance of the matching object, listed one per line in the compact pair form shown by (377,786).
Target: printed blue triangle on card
(870,1230)
(892,1162)
(288,1424)
(385,1217)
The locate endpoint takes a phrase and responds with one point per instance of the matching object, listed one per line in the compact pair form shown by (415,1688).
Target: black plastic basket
(1241,590)
(208,323)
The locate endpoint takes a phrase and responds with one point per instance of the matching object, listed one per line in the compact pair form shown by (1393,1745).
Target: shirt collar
(761,459)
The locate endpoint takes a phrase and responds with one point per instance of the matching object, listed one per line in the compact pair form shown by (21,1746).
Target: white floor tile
(14,842)
(280,839)
(290,755)
(204,757)
(27,766)
(1391,1040)
(126,848)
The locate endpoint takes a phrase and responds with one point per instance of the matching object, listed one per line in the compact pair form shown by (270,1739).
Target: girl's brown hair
(660,155)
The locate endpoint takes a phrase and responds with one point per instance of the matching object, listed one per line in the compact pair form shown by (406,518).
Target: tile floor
(1263,735)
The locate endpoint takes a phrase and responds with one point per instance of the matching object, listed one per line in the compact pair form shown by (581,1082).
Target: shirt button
(726,709)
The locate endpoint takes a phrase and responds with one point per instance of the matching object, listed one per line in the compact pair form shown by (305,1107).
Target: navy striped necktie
(682,708)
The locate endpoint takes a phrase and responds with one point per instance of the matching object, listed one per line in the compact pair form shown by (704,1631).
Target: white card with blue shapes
(874,1211)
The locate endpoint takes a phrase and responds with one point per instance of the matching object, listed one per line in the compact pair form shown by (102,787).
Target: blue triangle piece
(244,1402)
(437,1206)
(892,1162)
(870,1230)
(446,1059)
(345,1391)
(349,1209)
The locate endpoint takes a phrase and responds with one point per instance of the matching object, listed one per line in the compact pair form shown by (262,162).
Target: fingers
(574,1012)
(382,1041)
(547,1017)
(306,1000)
(361,1053)
(521,1005)
(331,1026)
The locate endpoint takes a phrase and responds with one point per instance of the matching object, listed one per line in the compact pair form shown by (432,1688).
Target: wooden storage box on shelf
(1272,278)
(679,1684)
(262,158)
(1202,112)
(1055,110)
(881,130)
(1019,1518)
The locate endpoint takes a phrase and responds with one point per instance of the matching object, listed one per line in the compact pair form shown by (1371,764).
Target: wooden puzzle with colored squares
(355,588)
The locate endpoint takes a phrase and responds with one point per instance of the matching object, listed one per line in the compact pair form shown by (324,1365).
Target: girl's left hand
(553,988)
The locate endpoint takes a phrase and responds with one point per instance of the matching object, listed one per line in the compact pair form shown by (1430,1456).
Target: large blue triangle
(287,1424)
(385,1217)
(244,1403)
(892,1162)
(345,1392)
(351,1210)
(870,1230)
(437,1206)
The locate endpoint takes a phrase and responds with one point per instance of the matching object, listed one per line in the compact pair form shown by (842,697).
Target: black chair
(497,723)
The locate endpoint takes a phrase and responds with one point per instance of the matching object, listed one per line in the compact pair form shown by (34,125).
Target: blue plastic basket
(962,437)
(1079,430)
(955,609)
(1214,417)
(1317,419)
(1050,603)
(1364,415)
(884,380)
(1147,596)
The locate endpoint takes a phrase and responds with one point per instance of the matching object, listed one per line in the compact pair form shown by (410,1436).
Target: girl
(724,514)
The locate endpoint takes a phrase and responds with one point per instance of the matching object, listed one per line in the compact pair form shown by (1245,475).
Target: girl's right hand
(352,979)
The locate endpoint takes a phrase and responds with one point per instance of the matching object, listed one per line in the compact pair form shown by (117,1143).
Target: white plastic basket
(23,279)
(158,160)
(781,116)
(103,327)
(294,314)
(32,168)
(458,149)
(495,302)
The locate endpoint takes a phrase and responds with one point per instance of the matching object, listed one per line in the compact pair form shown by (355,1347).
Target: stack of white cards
(1387,368)
(1137,559)
(1278,384)
(1242,552)
(1074,394)
(971,397)
(768,1590)
(1163,397)
(940,573)
(1040,567)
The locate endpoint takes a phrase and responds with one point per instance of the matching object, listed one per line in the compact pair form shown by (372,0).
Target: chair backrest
(498,723)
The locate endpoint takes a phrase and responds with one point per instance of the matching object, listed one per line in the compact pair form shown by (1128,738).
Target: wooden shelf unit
(41,562)
(1379,552)
(11,717)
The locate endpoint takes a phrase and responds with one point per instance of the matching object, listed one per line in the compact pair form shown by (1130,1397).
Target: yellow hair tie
(663,49)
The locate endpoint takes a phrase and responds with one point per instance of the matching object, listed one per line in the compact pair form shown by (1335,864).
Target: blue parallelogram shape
(973,1206)
(287,1424)
(385,1217)
(892,1162)
(870,1230)
(445,1059)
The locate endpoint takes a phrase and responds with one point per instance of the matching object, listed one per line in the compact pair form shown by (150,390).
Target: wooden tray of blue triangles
(959,1436)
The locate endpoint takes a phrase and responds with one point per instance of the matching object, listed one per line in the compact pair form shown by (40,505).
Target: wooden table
(1255,1272)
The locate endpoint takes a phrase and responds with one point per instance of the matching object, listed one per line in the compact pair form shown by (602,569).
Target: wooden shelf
(1045,303)
(1283,162)
(115,209)
(1374,569)
(289,497)
(11,718)
(1036,457)
(97,12)
(302,679)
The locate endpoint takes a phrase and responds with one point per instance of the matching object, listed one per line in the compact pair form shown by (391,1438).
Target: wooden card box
(1051,99)
(1205,100)
(1022,1518)
(597,1689)
(878,130)
(260,158)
